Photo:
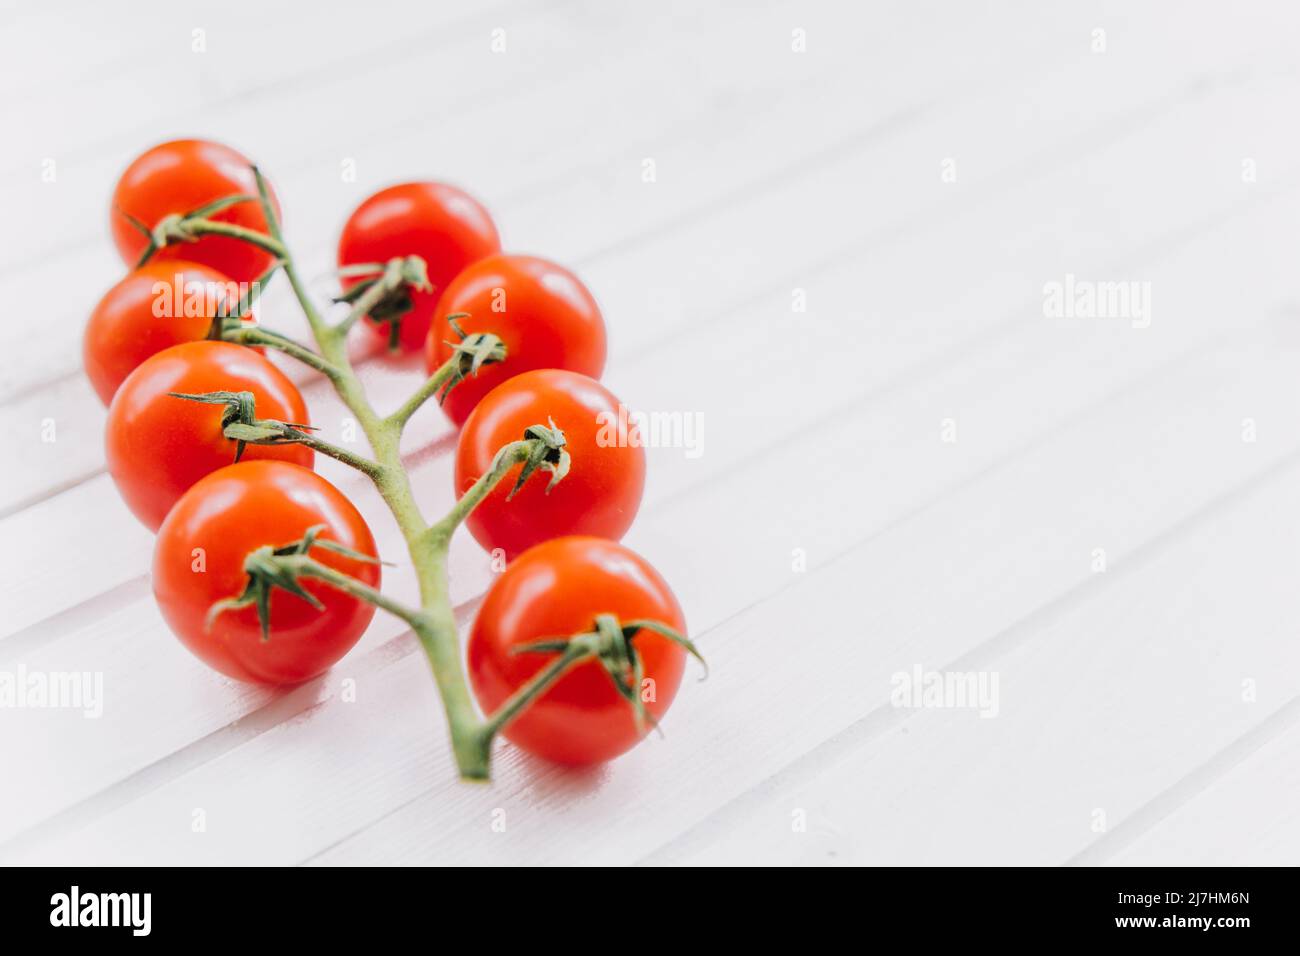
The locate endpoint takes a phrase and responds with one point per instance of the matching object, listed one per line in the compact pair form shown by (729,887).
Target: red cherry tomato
(556,590)
(179,177)
(602,491)
(541,311)
(199,560)
(446,227)
(158,446)
(155,307)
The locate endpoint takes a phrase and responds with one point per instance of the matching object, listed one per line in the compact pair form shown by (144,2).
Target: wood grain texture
(919,469)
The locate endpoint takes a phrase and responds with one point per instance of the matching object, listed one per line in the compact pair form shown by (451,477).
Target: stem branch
(535,687)
(273,340)
(371,469)
(510,455)
(431,386)
(211,227)
(434,621)
(434,624)
(310,567)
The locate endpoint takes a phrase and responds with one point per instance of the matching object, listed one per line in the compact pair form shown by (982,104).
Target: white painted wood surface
(1147,713)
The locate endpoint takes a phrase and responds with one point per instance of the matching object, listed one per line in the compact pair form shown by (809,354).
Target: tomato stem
(611,643)
(309,567)
(430,387)
(468,355)
(435,623)
(228,317)
(372,296)
(439,535)
(287,433)
(184,229)
(574,651)
(390,286)
(253,335)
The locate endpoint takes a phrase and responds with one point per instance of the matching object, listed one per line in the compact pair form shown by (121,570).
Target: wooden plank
(637,318)
(574,199)
(925,303)
(1233,810)
(1091,724)
(905,424)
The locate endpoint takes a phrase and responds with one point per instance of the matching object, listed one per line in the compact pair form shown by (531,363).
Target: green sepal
(240,423)
(613,645)
(548,452)
(472,352)
(663,630)
(399,277)
(218,205)
(266,573)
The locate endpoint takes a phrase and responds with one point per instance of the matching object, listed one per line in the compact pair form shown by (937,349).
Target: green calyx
(472,352)
(390,285)
(547,452)
(613,644)
(179,227)
(268,569)
(239,422)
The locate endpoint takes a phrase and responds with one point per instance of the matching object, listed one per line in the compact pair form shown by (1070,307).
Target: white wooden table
(921,467)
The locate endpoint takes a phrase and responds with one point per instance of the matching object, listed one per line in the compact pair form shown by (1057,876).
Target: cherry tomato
(179,177)
(446,227)
(199,560)
(556,590)
(541,311)
(158,446)
(155,307)
(602,491)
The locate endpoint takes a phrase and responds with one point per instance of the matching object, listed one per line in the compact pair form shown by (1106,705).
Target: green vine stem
(573,652)
(190,229)
(309,567)
(254,335)
(270,432)
(431,386)
(433,622)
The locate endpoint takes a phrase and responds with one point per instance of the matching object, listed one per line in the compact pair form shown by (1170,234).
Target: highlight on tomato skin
(199,560)
(602,491)
(444,225)
(157,446)
(541,311)
(161,304)
(179,177)
(556,589)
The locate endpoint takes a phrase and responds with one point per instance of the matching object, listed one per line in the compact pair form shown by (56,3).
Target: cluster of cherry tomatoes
(214,502)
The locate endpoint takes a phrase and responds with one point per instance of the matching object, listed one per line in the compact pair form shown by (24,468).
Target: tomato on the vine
(199,561)
(159,305)
(443,225)
(157,446)
(556,590)
(179,177)
(602,491)
(542,313)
